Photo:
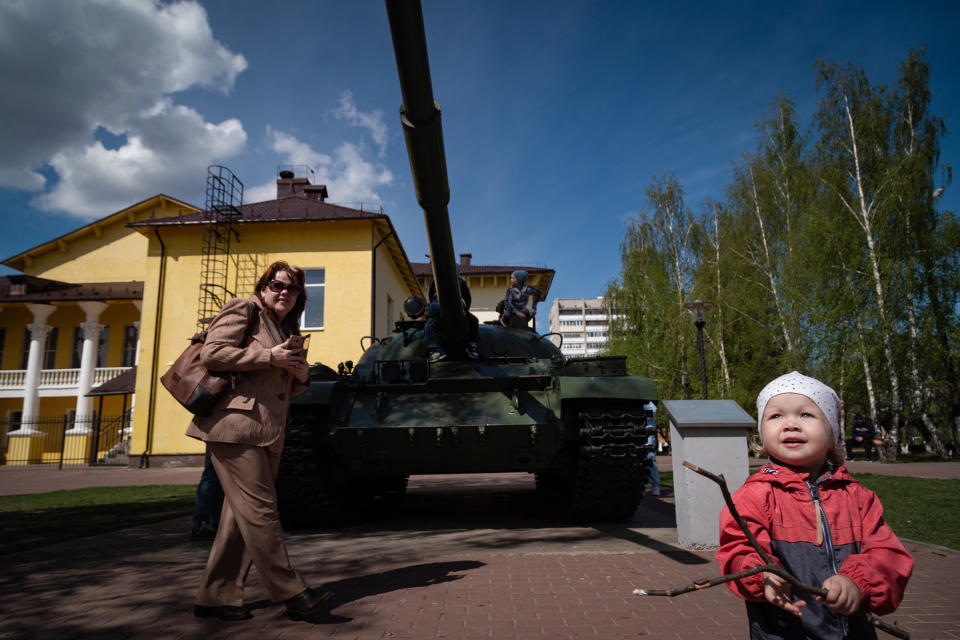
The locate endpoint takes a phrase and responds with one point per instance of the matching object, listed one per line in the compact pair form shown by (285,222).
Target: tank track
(307,491)
(313,486)
(616,447)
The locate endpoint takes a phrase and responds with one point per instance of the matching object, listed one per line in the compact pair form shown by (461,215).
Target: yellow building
(488,284)
(131,288)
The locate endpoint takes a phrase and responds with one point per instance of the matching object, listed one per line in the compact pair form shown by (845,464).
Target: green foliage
(828,254)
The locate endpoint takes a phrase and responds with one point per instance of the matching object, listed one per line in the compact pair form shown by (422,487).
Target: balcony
(53,382)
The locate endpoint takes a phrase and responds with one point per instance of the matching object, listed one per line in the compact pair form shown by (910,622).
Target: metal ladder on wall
(224,203)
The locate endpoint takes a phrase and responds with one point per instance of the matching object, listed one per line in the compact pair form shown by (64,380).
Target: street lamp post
(698,306)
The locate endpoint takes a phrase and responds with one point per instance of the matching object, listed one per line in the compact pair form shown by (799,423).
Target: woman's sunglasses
(276,286)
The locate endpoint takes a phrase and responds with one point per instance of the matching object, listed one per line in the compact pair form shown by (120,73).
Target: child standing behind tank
(516,313)
(816,521)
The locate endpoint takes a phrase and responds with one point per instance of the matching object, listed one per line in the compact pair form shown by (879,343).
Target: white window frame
(312,288)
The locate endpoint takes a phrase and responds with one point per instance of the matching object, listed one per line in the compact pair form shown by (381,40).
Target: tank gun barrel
(420,117)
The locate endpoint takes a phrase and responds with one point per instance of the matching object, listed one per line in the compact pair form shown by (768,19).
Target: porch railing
(66,441)
(15,379)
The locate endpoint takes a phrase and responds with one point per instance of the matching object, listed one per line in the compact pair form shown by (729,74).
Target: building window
(102,350)
(129,345)
(14,419)
(76,355)
(25,351)
(50,349)
(313,313)
(3,342)
(49,359)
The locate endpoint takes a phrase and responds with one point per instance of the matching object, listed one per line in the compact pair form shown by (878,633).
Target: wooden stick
(769,566)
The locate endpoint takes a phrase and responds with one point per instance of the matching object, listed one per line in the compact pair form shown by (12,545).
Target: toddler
(816,521)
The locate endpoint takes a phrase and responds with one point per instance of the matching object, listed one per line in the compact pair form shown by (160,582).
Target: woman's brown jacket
(256,411)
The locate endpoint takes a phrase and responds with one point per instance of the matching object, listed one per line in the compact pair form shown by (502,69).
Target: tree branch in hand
(769,566)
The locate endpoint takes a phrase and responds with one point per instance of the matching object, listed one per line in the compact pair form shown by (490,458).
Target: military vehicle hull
(583,426)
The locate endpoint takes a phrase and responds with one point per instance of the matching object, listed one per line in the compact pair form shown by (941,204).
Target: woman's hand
(283,357)
(302,373)
(843,595)
(777,591)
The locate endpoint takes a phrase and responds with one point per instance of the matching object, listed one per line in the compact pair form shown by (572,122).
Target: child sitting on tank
(520,302)
(432,331)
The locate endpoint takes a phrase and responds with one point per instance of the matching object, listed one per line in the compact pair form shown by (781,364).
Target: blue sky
(556,115)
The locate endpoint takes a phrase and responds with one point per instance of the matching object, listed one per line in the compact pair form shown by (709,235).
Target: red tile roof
(22,288)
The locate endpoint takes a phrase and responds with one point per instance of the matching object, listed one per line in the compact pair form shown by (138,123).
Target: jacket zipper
(827,540)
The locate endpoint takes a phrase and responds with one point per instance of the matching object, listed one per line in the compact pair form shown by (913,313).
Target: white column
(88,362)
(39,330)
(136,362)
(136,358)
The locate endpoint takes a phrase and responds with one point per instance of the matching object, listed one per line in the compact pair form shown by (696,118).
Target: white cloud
(170,154)
(350,179)
(294,151)
(68,68)
(372,121)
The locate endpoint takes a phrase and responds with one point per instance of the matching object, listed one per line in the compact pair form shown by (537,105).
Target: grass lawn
(35,520)
(921,509)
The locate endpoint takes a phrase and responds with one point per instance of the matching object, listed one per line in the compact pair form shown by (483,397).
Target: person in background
(654,478)
(816,521)
(517,305)
(435,351)
(244,436)
(208,502)
(862,436)
(654,470)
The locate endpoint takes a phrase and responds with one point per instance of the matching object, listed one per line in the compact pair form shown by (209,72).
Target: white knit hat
(795,382)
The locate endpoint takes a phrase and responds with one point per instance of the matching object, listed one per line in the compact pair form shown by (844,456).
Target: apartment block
(583,324)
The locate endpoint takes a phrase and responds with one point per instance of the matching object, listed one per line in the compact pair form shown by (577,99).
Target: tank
(583,426)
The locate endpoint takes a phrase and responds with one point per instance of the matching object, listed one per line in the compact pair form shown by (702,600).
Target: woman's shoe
(305,602)
(224,612)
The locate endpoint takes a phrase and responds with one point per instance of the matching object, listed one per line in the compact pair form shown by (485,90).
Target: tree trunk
(918,406)
(768,266)
(864,217)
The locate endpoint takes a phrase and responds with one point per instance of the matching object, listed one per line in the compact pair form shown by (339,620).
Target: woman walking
(244,437)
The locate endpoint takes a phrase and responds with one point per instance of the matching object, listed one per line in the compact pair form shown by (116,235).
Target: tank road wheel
(308,487)
(610,467)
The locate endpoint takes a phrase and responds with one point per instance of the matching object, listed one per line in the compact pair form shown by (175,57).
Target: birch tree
(854,120)
(658,256)
(930,243)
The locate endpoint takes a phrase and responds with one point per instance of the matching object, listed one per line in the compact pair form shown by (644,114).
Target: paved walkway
(39,479)
(466,557)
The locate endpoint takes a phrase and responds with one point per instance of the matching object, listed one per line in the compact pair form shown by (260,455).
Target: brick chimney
(465,260)
(288,185)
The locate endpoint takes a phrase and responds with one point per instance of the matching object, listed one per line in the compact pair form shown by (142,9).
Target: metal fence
(66,441)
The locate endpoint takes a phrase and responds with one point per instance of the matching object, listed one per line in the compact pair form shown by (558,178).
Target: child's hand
(843,595)
(777,591)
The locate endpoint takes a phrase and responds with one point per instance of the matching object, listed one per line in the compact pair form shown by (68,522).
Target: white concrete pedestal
(712,435)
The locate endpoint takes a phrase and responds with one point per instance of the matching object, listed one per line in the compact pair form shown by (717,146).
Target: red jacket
(778,506)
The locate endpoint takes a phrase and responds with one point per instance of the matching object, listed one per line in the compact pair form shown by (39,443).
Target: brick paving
(466,557)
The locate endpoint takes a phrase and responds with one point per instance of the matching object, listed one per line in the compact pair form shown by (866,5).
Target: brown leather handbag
(192,384)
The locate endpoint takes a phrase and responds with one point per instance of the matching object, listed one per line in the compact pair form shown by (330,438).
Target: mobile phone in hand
(299,342)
